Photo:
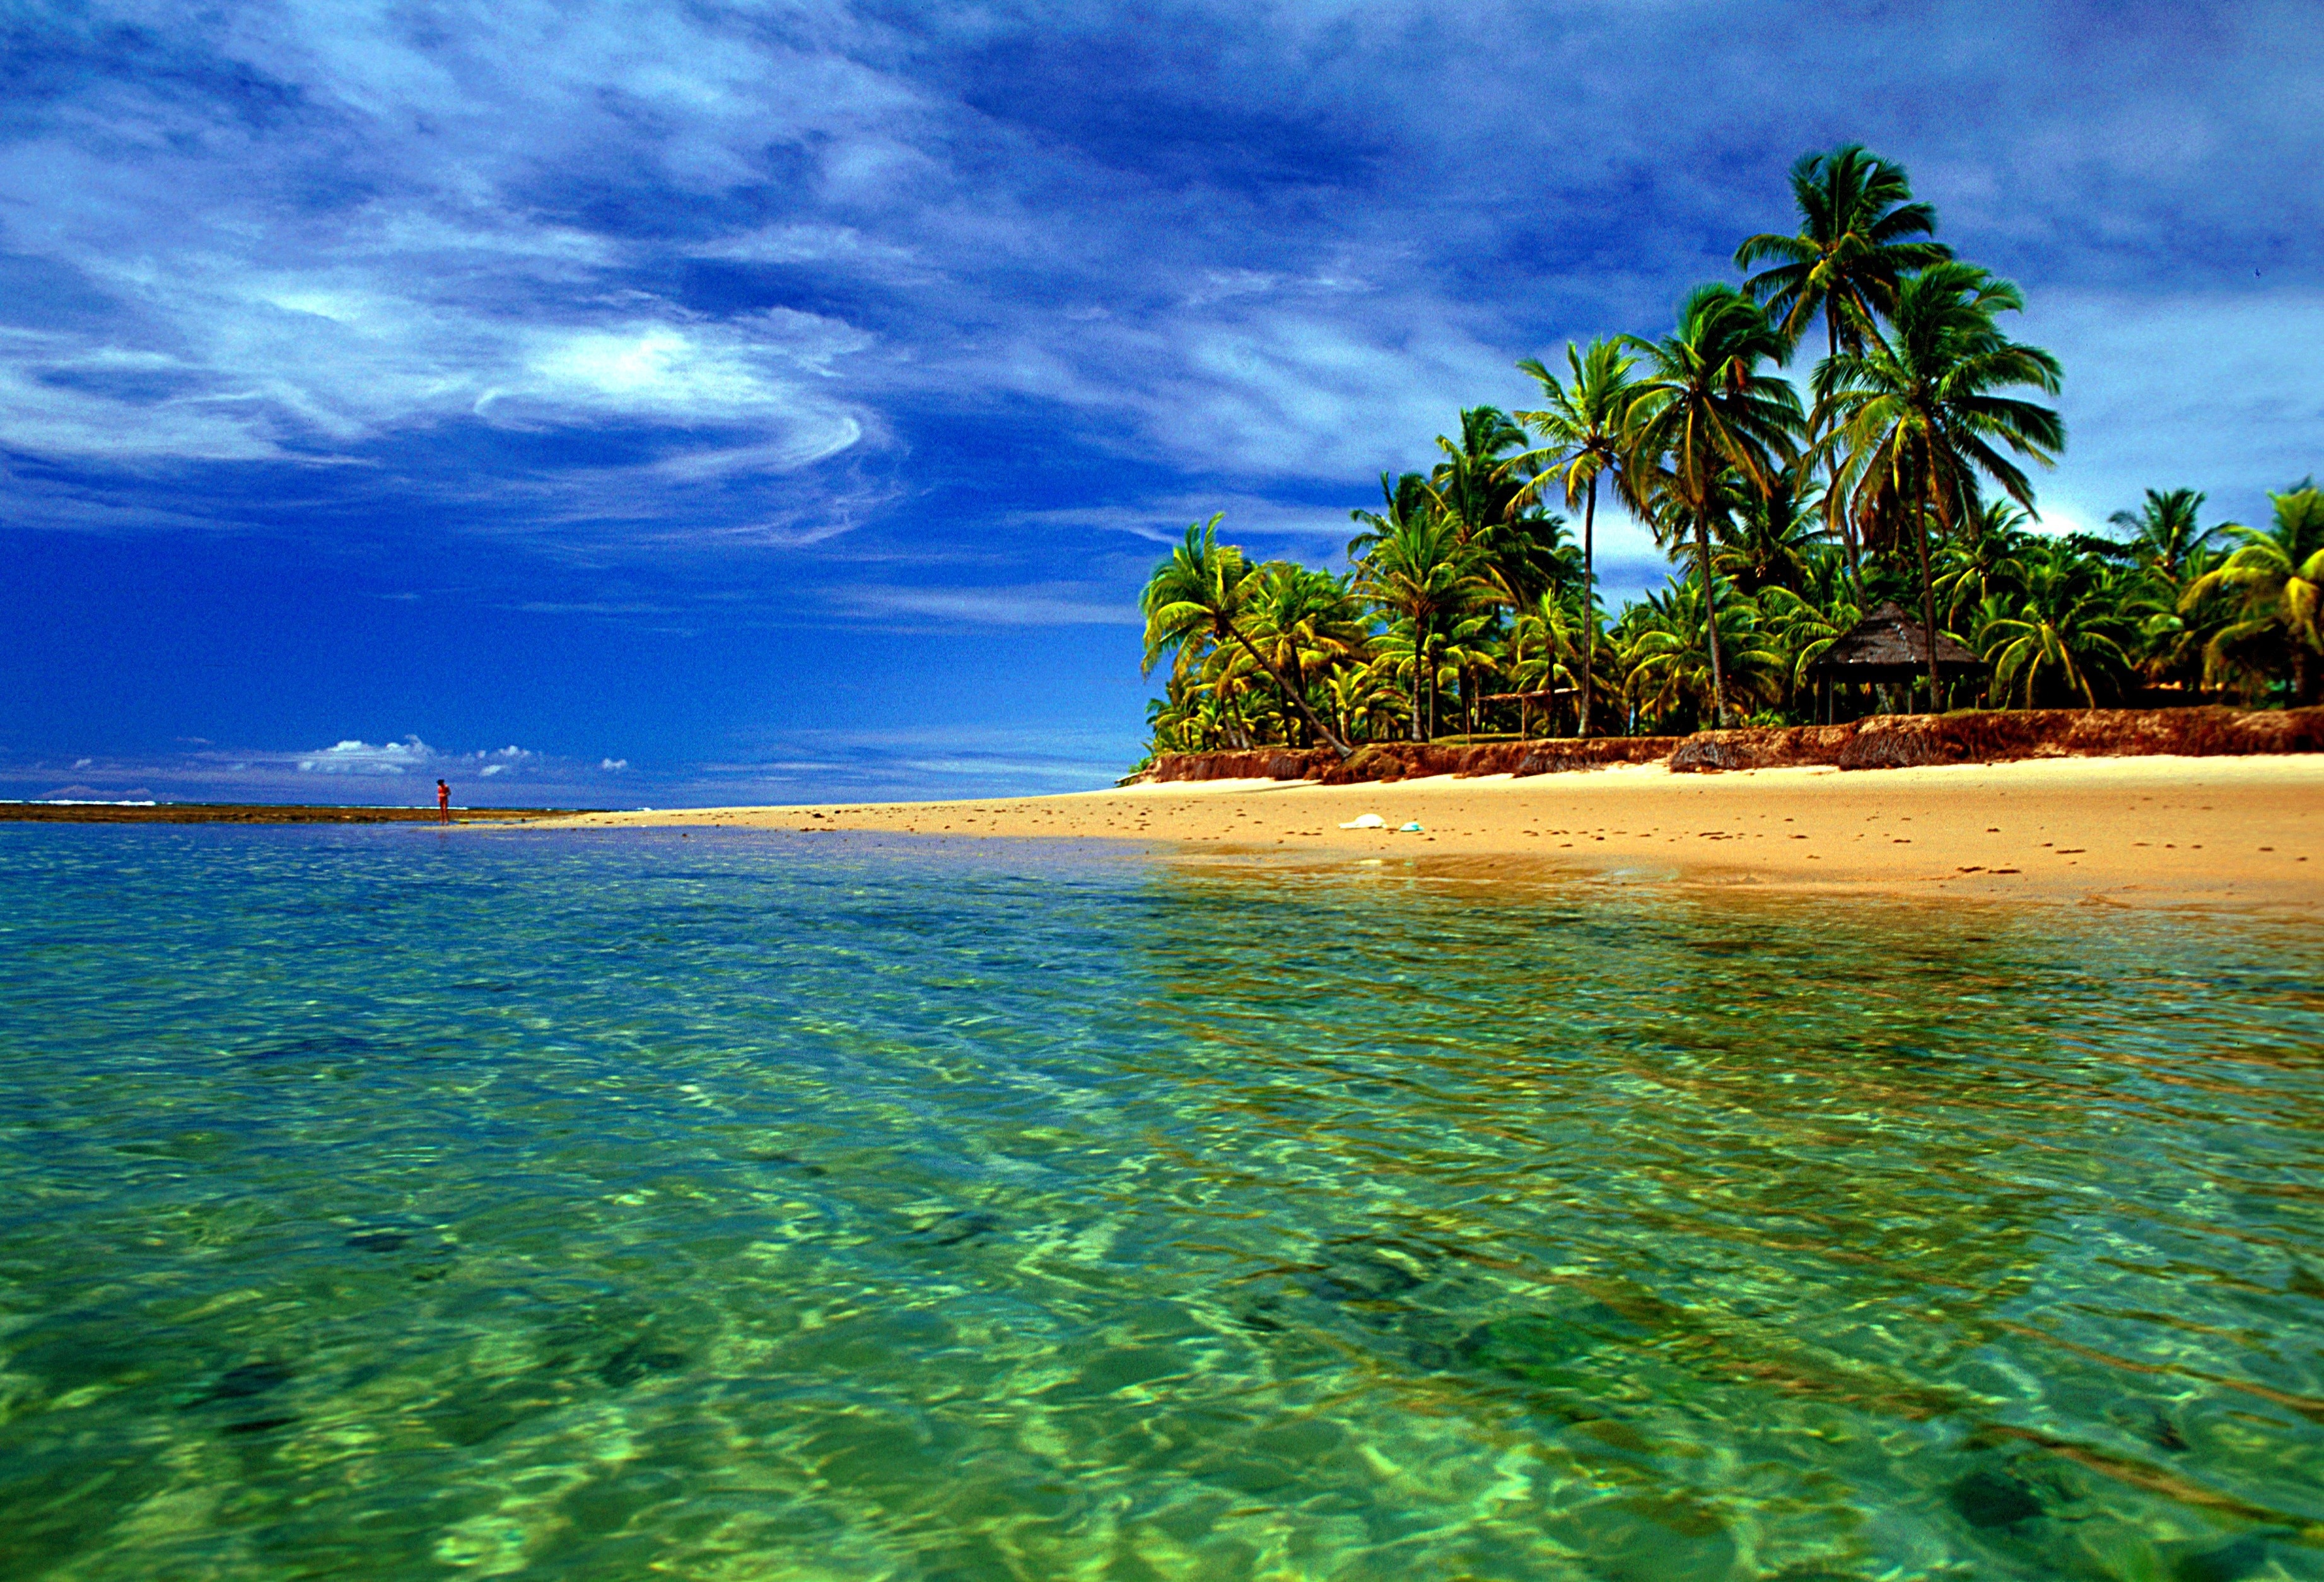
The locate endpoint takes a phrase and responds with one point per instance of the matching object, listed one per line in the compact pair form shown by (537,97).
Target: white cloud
(352,756)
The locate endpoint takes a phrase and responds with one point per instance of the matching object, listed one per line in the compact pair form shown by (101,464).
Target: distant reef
(1888,740)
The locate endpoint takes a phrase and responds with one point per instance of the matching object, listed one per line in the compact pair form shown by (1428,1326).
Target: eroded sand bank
(2241,832)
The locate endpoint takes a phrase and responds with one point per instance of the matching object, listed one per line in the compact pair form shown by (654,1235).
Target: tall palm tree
(1579,425)
(1861,233)
(1857,238)
(1205,594)
(2278,575)
(1707,404)
(1915,417)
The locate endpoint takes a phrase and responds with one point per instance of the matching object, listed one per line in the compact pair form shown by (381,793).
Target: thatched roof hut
(1890,646)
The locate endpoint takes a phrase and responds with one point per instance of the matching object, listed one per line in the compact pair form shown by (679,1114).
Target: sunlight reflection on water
(386,1203)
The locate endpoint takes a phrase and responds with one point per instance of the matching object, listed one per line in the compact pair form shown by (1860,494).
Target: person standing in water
(442,802)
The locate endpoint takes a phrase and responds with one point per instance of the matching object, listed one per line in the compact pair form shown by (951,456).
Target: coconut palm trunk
(1589,607)
(1516,673)
(1847,518)
(1282,687)
(1711,618)
(1418,727)
(1928,594)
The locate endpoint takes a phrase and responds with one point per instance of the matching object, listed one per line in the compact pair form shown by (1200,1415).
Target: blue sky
(633,405)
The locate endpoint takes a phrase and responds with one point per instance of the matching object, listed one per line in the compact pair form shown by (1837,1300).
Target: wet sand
(2232,832)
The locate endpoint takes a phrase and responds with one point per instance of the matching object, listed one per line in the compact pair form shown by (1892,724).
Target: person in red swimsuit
(442,802)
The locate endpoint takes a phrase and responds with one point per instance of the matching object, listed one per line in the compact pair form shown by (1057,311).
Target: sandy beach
(2235,832)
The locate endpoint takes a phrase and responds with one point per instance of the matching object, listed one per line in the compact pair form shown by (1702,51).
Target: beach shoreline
(2235,833)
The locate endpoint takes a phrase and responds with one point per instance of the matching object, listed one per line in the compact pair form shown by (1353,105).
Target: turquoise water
(389,1203)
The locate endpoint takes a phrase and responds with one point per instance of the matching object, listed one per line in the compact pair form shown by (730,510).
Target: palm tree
(1984,564)
(1916,420)
(1203,594)
(1857,222)
(2065,632)
(2163,532)
(1465,657)
(1805,624)
(1861,233)
(1361,697)
(1580,425)
(1707,405)
(1668,650)
(1303,624)
(1405,497)
(1475,481)
(1772,535)
(1547,638)
(1419,571)
(2279,576)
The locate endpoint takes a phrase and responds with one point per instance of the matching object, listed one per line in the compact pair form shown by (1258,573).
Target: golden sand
(2239,832)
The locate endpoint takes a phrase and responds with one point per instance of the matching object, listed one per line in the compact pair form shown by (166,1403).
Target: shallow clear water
(392,1205)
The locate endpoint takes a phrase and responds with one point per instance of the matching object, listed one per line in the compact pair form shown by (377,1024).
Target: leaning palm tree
(1916,420)
(1861,233)
(1708,404)
(2279,576)
(1580,429)
(1203,594)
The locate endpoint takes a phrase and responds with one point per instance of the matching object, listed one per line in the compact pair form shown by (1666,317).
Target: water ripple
(386,1203)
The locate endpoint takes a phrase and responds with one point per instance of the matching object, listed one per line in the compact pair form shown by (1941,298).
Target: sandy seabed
(2241,833)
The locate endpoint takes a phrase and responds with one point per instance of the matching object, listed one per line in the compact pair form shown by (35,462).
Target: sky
(648,404)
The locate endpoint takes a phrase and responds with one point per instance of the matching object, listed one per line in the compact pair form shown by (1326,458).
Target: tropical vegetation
(1850,427)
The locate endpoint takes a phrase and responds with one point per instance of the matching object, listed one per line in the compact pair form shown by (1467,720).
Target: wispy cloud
(384,230)
(1037,605)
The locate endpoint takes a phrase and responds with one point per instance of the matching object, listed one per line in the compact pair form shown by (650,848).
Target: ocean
(395,1204)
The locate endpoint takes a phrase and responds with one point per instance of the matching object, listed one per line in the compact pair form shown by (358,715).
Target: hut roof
(1889,645)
